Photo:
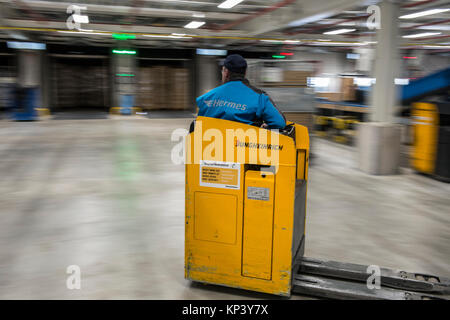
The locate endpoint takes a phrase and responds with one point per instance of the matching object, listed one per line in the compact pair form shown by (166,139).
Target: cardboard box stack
(65,95)
(179,88)
(347,89)
(331,96)
(160,87)
(163,87)
(85,87)
(93,86)
(296,78)
(145,89)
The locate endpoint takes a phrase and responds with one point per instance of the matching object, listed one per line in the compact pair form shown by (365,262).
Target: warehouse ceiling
(249,24)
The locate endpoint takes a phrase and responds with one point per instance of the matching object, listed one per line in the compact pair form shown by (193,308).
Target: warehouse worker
(237,100)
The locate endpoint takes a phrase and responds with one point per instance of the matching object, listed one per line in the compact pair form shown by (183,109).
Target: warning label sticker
(257,193)
(219,174)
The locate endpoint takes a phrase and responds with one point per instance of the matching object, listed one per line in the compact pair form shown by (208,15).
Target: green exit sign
(123,36)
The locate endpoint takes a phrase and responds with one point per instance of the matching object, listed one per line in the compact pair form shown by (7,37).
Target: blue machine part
(429,85)
(126,103)
(26,104)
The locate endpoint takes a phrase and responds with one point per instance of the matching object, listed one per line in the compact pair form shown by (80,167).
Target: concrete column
(29,82)
(387,62)
(207,74)
(379,148)
(379,141)
(124,77)
(29,69)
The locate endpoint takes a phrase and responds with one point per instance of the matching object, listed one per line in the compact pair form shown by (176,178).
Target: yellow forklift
(245,210)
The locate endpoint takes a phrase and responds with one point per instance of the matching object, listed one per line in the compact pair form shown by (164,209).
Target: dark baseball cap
(235,63)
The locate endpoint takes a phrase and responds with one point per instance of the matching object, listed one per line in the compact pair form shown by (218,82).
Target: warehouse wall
(332,64)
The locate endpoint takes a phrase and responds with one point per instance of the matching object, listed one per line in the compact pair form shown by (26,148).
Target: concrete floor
(104,195)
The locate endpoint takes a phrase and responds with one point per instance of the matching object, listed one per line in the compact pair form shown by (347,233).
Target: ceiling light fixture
(272,41)
(86,32)
(26,45)
(117,51)
(194,24)
(435,27)
(339,31)
(423,13)
(229,4)
(435,47)
(172,36)
(198,15)
(420,35)
(337,43)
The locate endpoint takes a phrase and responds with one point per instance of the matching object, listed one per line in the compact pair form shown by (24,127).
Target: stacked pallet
(179,89)
(163,87)
(348,89)
(145,89)
(66,95)
(296,78)
(80,87)
(276,77)
(160,87)
(330,96)
(92,86)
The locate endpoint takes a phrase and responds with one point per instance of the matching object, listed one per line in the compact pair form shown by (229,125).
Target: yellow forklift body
(425,130)
(245,204)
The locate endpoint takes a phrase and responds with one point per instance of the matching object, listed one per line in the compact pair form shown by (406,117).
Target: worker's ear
(225,74)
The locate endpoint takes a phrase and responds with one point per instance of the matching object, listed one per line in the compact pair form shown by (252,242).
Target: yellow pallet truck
(245,207)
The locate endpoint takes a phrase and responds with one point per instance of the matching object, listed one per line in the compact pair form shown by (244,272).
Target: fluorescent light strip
(436,27)
(435,47)
(272,41)
(345,44)
(116,51)
(339,31)
(26,45)
(423,13)
(420,35)
(173,36)
(212,52)
(194,24)
(229,4)
(84,32)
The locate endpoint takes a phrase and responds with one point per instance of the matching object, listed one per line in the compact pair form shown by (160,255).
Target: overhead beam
(299,13)
(118,28)
(120,10)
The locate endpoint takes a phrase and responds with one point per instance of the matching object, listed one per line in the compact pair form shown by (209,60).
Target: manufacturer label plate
(257,193)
